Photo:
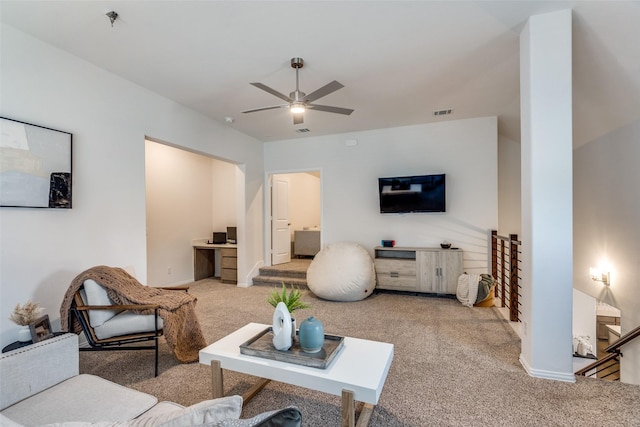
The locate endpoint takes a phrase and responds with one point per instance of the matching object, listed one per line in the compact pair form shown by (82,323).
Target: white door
(280,223)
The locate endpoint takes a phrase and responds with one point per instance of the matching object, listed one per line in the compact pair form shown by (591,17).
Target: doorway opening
(189,195)
(295,216)
(607,332)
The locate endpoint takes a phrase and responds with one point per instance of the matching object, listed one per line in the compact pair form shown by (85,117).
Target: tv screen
(423,193)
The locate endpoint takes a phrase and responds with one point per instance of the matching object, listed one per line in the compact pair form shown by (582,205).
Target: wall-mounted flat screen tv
(422,193)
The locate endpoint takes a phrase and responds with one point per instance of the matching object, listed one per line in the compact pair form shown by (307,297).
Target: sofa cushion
(223,412)
(162,408)
(6,422)
(126,323)
(94,294)
(209,413)
(206,413)
(84,398)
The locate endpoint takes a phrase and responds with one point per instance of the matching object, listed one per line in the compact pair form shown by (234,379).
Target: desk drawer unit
(229,265)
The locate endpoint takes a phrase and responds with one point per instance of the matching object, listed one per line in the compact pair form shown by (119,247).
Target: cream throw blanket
(177,309)
(467,290)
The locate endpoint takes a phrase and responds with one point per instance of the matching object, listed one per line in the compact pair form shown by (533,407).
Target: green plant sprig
(292,300)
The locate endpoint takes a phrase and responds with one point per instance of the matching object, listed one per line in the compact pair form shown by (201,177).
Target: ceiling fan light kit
(297,107)
(298,102)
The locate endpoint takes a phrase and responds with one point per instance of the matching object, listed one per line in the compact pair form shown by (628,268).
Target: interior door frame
(267,206)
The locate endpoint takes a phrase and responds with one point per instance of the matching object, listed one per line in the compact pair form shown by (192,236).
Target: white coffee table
(357,373)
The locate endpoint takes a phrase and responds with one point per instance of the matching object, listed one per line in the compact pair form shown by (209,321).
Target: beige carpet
(453,366)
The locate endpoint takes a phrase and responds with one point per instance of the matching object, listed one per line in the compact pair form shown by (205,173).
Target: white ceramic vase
(311,335)
(24,334)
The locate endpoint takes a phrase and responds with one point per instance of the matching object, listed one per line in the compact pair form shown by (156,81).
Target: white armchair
(107,326)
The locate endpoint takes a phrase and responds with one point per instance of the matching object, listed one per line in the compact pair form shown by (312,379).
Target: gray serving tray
(261,345)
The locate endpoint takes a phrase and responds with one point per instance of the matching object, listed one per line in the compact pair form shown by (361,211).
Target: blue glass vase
(311,335)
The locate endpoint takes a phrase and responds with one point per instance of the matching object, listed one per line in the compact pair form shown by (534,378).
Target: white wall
(466,150)
(42,250)
(509,187)
(606,230)
(224,194)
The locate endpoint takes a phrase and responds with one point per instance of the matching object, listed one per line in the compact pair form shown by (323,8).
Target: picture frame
(41,329)
(35,166)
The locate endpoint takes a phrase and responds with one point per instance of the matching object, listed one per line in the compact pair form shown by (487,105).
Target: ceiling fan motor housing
(297,95)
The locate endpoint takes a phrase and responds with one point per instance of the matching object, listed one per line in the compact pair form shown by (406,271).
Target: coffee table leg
(349,411)
(365,415)
(259,385)
(217,384)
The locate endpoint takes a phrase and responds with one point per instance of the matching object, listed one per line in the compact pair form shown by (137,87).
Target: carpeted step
(290,274)
(277,281)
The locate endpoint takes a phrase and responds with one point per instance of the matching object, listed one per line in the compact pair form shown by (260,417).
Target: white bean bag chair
(342,271)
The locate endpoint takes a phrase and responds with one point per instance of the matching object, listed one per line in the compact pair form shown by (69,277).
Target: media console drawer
(396,282)
(397,266)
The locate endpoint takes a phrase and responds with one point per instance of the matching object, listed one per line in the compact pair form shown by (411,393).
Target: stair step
(275,272)
(277,281)
(290,273)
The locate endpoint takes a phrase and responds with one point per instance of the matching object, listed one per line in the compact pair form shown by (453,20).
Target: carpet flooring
(452,366)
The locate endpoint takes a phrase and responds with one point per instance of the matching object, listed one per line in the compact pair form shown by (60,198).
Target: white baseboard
(548,375)
(255,270)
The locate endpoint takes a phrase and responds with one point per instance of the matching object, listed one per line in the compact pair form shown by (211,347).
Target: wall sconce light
(598,276)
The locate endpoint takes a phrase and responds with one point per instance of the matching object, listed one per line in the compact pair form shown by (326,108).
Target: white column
(547,196)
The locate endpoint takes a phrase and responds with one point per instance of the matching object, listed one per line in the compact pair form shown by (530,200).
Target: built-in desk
(204,261)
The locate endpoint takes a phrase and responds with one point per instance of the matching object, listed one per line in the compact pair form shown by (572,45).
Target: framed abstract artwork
(35,166)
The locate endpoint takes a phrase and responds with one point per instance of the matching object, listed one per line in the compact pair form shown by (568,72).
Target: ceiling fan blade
(272,91)
(266,108)
(328,109)
(323,91)
(298,119)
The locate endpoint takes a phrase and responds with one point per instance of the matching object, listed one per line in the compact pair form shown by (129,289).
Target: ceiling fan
(298,102)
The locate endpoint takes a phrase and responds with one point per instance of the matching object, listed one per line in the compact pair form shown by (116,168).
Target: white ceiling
(398,60)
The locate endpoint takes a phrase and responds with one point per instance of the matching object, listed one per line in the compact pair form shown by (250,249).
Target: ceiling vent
(444,112)
(302,130)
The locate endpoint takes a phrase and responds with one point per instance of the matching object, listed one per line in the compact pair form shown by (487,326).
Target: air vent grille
(302,130)
(444,112)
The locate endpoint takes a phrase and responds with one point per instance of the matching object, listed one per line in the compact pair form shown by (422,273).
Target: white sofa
(41,385)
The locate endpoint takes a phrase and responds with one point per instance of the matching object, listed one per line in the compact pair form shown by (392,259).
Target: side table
(19,344)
